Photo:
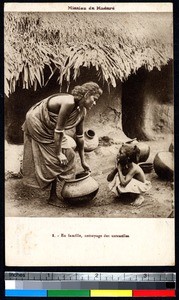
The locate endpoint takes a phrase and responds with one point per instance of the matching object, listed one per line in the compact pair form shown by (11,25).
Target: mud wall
(147,103)
(106,116)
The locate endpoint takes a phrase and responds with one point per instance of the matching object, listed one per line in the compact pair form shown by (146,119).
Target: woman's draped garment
(40,163)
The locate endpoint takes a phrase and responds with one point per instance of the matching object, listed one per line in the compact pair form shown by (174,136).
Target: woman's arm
(80,144)
(64,112)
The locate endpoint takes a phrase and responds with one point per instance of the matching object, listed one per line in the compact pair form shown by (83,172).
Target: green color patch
(68,293)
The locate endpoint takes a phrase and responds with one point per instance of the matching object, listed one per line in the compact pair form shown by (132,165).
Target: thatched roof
(116,44)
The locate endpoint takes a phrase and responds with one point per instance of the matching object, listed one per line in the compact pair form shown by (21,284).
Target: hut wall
(142,106)
(105,117)
(147,103)
(158,105)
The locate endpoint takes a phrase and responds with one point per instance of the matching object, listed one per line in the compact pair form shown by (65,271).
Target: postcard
(89,134)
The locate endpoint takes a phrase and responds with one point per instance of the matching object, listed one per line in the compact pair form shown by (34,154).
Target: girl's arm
(80,144)
(111,175)
(124,180)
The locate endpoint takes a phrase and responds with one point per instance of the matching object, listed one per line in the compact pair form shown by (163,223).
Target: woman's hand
(85,166)
(62,159)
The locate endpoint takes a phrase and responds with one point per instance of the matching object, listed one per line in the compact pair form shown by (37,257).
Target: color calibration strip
(90,293)
(89,284)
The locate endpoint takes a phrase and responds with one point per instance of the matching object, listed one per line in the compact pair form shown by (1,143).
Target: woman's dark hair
(91,88)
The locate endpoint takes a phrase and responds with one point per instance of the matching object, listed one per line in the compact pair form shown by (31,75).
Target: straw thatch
(115,44)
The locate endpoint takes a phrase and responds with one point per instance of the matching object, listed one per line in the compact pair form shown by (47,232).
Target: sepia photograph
(89,113)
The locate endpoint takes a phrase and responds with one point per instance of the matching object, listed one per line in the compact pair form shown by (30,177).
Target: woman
(47,150)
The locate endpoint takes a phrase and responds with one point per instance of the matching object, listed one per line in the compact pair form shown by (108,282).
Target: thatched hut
(128,54)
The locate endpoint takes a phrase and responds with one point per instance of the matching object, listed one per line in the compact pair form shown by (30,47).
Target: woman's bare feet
(53,199)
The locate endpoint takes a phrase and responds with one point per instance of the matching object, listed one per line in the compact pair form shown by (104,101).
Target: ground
(23,201)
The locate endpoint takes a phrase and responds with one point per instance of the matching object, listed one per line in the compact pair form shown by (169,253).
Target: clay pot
(164,165)
(81,189)
(171,148)
(144,149)
(91,140)
(71,142)
(146,167)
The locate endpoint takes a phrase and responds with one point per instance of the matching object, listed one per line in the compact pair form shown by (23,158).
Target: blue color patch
(26,293)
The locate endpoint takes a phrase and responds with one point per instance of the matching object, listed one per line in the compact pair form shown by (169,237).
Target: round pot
(81,189)
(91,140)
(144,150)
(164,165)
(146,167)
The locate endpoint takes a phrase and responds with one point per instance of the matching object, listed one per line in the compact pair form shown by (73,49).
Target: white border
(65,7)
(30,242)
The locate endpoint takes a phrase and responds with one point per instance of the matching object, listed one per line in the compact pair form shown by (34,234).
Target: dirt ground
(23,201)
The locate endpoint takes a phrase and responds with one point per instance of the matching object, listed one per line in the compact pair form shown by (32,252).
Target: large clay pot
(164,165)
(81,189)
(144,149)
(91,140)
(71,142)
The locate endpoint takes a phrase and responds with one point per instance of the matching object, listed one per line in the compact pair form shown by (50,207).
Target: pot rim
(87,132)
(164,152)
(78,179)
(147,164)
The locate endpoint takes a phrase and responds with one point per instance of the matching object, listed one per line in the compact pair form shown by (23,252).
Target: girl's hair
(132,153)
(91,88)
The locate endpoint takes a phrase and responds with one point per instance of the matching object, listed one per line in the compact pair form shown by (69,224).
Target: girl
(127,176)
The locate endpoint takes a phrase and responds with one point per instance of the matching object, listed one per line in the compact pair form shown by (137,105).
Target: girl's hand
(122,183)
(118,165)
(118,159)
(62,159)
(85,166)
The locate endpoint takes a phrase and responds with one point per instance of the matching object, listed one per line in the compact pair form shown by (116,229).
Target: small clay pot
(146,167)
(164,165)
(91,140)
(81,189)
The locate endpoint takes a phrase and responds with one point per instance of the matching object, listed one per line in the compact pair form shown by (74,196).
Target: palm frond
(116,45)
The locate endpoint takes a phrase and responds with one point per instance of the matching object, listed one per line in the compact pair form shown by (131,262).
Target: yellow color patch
(111,293)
